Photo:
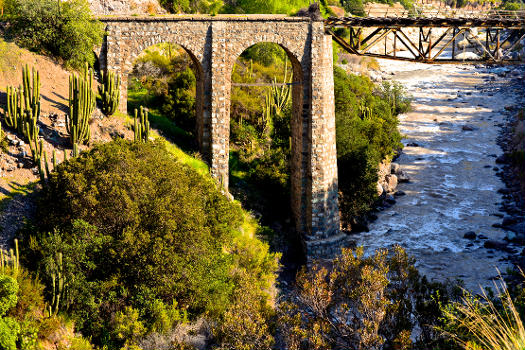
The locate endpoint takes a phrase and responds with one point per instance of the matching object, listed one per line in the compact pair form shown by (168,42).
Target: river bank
(450,217)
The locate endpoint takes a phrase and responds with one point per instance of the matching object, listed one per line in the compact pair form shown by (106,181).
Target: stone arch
(298,164)
(194,54)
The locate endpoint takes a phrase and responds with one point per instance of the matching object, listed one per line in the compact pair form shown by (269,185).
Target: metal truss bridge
(433,39)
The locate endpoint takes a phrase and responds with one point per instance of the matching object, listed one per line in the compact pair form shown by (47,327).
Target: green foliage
(81,106)
(355,7)
(271,6)
(109,91)
(9,330)
(8,290)
(366,130)
(179,102)
(135,227)
(63,29)
(200,6)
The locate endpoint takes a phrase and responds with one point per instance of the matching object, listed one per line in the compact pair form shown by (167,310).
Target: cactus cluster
(366,113)
(141,125)
(58,279)
(109,91)
(81,106)
(10,260)
(23,104)
(276,100)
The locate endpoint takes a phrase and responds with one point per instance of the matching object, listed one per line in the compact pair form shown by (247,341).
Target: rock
(402,177)
(399,193)
(20,165)
(509,220)
(498,245)
(502,159)
(487,166)
(504,191)
(390,182)
(467,56)
(445,124)
(359,226)
(467,128)
(470,235)
(482,237)
(13,142)
(380,189)
(412,144)
(390,199)
(394,168)
(60,125)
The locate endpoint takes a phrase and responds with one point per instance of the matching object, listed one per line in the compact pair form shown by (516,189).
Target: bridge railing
(446,12)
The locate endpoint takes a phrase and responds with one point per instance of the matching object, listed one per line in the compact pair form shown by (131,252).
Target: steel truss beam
(501,37)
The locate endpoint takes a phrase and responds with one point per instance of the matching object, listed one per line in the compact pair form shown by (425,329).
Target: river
(457,111)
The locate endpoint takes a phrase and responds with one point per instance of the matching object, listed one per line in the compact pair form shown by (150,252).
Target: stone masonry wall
(214,43)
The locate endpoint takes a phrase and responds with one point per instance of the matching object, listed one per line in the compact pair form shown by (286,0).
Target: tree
(134,228)
(62,29)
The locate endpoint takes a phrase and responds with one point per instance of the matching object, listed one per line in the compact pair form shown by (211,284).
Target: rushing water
(453,187)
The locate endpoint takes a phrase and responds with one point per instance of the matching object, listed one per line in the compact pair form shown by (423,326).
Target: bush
(179,102)
(139,233)
(63,29)
(366,131)
(363,302)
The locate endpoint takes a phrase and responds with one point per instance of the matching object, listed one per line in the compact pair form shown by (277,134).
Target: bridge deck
(426,22)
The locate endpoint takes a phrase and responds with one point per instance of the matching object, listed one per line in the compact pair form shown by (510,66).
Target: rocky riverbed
(455,215)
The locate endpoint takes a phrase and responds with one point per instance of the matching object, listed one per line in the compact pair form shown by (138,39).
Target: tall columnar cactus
(141,125)
(23,104)
(31,94)
(81,106)
(276,100)
(14,111)
(109,91)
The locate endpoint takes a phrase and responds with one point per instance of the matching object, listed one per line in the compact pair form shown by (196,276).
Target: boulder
(498,245)
(402,177)
(380,189)
(395,168)
(390,182)
(470,235)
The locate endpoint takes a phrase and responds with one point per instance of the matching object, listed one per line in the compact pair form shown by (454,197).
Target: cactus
(58,280)
(109,92)
(54,157)
(366,113)
(276,100)
(75,150)
(141,125)
(14,111)
(81,106)
(23,104)
(10,260)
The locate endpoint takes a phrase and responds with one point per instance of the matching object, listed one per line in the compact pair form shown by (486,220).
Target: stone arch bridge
(214,43)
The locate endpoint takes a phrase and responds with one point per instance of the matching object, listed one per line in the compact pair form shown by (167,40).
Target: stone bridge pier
(214,43)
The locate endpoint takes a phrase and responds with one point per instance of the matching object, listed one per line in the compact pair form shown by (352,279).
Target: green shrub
(179,102)
(135,227)
(366,131)
(63,29)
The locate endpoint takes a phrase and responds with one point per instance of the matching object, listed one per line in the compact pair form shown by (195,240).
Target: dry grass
(492,327)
